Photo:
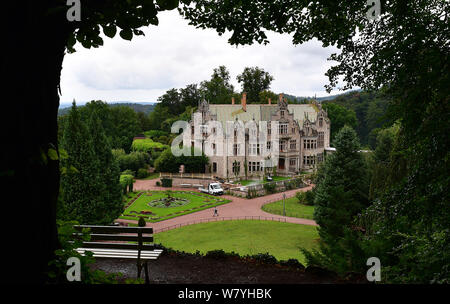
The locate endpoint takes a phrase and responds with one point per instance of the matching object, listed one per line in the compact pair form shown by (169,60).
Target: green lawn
(293,208)
(282,240)
(194,202)
(247,182)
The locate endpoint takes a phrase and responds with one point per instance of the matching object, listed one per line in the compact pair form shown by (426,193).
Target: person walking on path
(216,213)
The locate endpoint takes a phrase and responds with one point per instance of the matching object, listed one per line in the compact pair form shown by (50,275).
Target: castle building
(251,140)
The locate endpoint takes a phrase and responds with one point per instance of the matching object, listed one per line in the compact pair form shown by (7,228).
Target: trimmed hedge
(166,182)
(147,145)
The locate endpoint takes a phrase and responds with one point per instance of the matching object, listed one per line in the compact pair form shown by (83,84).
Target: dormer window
(282,113)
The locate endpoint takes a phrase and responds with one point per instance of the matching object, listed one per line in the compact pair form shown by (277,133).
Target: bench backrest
(101,237)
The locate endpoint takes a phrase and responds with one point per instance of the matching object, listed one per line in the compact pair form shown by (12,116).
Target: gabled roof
(261,112)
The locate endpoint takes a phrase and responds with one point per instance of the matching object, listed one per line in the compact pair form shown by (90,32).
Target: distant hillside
(145,107)
(300,99)
(370,109)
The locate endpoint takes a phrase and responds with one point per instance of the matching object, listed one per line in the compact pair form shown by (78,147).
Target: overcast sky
(174,54)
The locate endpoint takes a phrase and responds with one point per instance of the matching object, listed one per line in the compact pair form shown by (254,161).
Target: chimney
(244,101)
(270,101)
(280,97)
(232,100)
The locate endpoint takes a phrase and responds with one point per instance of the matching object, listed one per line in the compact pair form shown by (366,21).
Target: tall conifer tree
(109,173)
(79,188)
(341,194)
(91,193)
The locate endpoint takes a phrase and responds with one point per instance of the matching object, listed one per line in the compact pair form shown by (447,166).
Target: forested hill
(370,110)
(301,99)
(145,108)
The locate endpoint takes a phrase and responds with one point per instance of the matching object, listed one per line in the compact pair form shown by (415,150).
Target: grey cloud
(175,54)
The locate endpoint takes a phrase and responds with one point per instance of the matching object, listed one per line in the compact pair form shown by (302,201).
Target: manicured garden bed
(245,237)
(152,205)
(293,208)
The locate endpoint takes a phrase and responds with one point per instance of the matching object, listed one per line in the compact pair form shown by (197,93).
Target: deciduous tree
(254,80)
(218,89)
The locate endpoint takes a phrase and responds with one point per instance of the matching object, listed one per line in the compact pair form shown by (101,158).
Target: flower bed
(152,204)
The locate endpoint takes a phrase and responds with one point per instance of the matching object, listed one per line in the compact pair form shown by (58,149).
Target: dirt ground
(172,268)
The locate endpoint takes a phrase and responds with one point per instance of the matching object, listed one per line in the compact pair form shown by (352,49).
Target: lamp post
(284,204)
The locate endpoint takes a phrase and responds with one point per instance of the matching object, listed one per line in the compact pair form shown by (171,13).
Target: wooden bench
(121,243)
(185,185)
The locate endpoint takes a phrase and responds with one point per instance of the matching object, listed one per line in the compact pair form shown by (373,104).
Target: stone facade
(248,140)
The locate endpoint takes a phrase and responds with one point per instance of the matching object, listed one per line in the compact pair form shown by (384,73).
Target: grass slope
(282,240)
(293,208)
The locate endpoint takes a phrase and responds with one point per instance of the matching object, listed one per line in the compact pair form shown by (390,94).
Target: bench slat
(118,242)
(119,237)
(114,229)
(118,250)
(117,246)
(124,257)
(125,254)
(134,255)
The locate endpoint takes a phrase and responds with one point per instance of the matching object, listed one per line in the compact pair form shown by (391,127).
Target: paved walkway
(238,207)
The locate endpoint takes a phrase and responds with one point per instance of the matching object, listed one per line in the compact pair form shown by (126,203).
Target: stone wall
(259,190)
(190,182)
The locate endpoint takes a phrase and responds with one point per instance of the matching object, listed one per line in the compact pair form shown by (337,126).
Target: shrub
(301,196)
(126,182)
(58,265)
(155,133)
(270,188)
(162,139)
(128,172)
(252,193)
(142,173)
(130,187)
(310,196)
(264,258)
(141,222)
(132,161)
(147,145)
(289,185)
(167,162)
(166,182)
(306,198)
(292,263)
(216,254)
(158,184)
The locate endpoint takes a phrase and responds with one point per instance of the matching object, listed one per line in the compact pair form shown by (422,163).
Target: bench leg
(147,279)
(139,268)
(145,266)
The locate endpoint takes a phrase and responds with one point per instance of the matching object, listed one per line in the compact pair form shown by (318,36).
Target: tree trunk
(34,41)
